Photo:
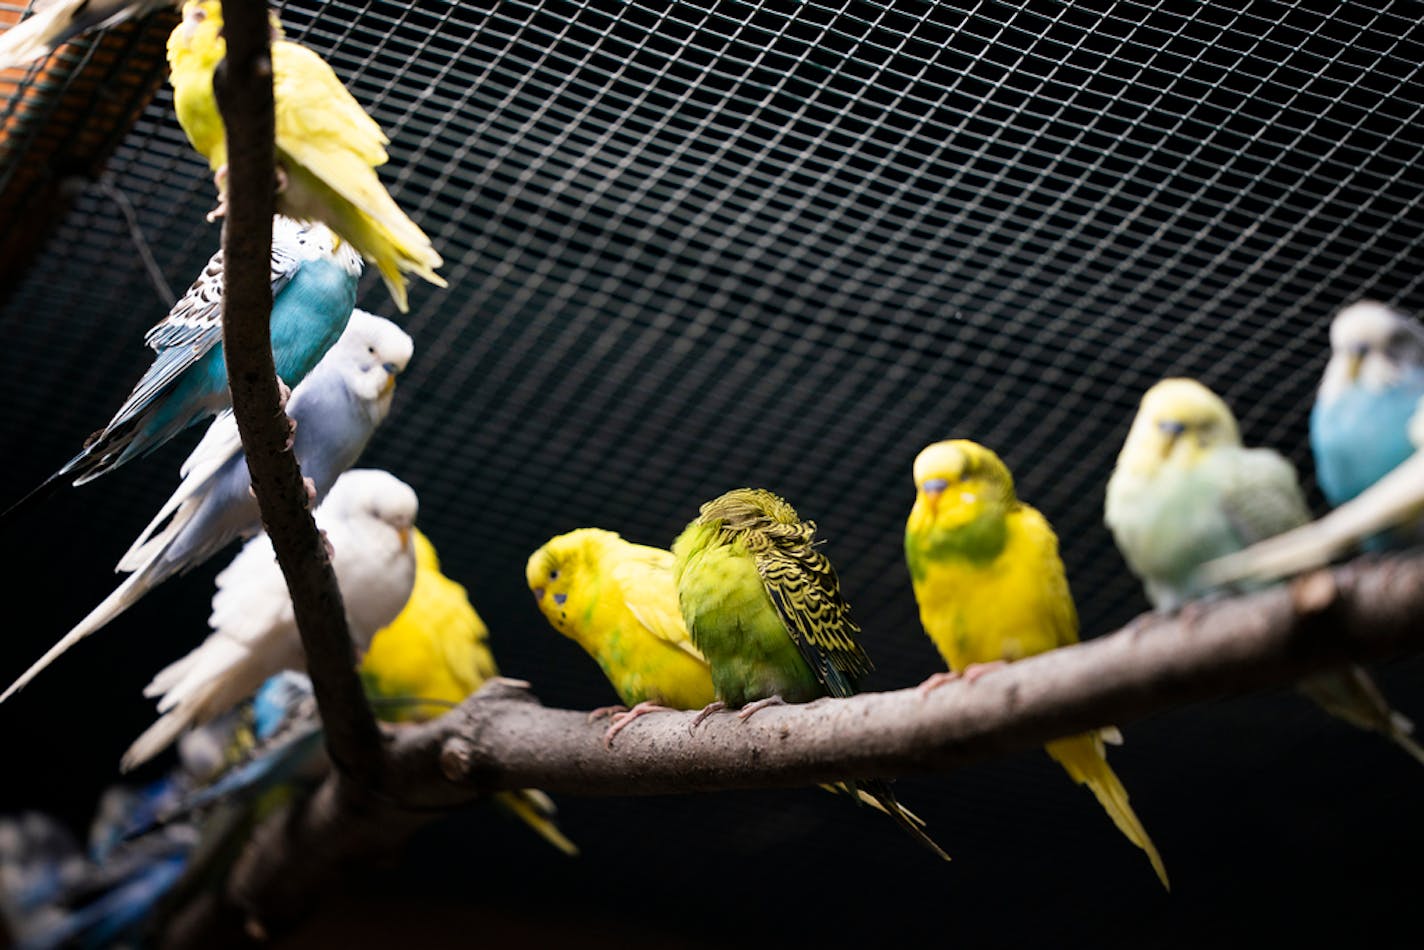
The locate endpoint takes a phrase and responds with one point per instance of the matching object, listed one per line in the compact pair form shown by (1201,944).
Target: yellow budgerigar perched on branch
(328,148)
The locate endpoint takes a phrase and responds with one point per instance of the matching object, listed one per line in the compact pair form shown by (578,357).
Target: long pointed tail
(1083,758)
(123,597)
(884,800)
(1350,694)
(536,810)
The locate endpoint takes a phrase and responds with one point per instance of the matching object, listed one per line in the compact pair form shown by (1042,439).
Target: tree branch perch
(243,86)
(501,738)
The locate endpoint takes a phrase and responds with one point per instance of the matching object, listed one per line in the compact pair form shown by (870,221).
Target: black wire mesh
(693,245)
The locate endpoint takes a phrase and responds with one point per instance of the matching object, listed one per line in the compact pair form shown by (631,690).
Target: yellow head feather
(955,481)
(1178,422)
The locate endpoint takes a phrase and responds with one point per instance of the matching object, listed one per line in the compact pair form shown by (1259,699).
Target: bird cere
(739,613)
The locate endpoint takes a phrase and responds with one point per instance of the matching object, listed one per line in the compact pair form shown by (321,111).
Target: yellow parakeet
(991,589)
(618,601)
(433,655)
(327,146)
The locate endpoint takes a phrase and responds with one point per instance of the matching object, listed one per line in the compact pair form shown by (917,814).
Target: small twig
(150,263)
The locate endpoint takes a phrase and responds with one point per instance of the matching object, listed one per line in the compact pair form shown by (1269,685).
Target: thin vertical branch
(243,86)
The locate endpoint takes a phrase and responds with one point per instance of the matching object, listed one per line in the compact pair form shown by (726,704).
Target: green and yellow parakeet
(765,608)
(992,589)
(434,654)
(328,148)
(1186,491)
(618,601)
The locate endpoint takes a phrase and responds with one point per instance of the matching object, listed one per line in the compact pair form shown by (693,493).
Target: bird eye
(553,575)
(199,14)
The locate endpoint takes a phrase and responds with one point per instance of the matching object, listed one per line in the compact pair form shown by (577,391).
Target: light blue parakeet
(336,409)
(1372,387)
(1185,491)
(313,289)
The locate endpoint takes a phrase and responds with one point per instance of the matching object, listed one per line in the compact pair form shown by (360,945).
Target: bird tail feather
(884,800)
(1083,758)
(122,598)
(1350,694)
(210,680)
(537,810)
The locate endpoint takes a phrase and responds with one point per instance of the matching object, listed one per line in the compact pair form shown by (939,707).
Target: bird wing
(1261,495)
(803,587)
(643,573)
(191,329)
(324,129)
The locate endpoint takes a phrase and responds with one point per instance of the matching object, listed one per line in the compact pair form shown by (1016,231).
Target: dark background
(696,245)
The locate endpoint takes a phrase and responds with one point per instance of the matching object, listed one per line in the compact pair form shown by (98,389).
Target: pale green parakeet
(765,608)
(1185,491)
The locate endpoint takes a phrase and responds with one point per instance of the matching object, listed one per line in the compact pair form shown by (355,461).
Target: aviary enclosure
(695,245)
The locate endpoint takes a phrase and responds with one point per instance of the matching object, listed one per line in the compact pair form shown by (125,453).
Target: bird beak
(389,386)
(1353,362)
(404,536)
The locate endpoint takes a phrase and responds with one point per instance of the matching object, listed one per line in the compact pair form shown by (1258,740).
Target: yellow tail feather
(535,809)
(1083,758)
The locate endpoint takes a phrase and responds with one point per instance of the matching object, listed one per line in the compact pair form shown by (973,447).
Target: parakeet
(1185,491)
(765,608)
(367,517)
(52,895)
(618,601)
(328,148)
(432,656)
(991,589)
(335,409)
(313,292)
(1367,433)
(1371,390)
(54,22)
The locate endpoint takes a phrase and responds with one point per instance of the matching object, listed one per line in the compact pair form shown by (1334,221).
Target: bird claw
(281,174)
(975,670)
(714,706)
(751,709)
(326,543)
(284,392)
(603,712)
(310,487)
(935,681)
(624,719)
(220,182)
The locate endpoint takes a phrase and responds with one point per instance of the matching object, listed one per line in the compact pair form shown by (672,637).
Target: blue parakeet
(1372,387)
(313,289)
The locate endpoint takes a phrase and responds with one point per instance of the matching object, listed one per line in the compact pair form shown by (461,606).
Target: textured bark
(243,85)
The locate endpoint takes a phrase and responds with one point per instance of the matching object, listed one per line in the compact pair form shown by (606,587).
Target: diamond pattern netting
(699,244)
